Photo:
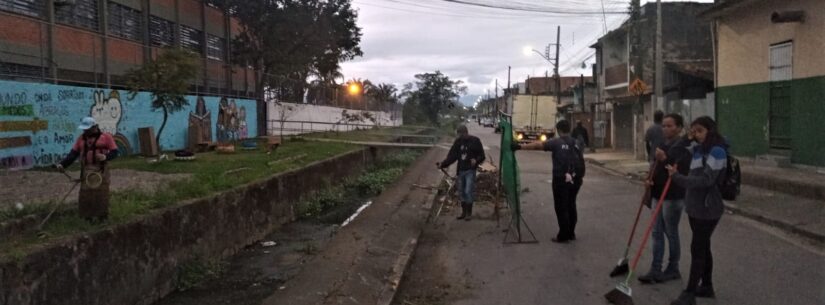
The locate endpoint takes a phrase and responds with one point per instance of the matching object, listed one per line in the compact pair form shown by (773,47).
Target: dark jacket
(464,149)
(703,199)
(581,132)
(677,153)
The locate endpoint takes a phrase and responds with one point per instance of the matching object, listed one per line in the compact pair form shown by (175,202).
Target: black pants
(701,260)
(564,201)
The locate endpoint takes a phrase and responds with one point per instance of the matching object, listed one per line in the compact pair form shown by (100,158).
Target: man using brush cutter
(468,151)
(673,151)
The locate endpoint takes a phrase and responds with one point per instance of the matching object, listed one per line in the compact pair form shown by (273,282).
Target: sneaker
(705,292)
(652,277)
(670,275)
(686,298)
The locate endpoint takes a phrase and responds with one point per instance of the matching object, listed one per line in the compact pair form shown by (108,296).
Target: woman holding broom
(703,205)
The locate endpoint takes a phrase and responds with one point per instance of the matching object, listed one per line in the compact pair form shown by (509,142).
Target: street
(461,262)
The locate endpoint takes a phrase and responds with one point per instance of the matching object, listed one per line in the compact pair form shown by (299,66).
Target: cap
(86,123)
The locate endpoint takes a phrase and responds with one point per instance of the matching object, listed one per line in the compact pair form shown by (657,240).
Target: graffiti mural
(200,125)
(107,111)
(38,122)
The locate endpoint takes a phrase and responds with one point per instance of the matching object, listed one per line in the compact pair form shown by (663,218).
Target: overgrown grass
(211,173)
(372,135)
(350,194)
(198,271)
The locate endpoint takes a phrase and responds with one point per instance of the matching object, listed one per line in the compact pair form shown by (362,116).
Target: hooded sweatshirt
(703,199)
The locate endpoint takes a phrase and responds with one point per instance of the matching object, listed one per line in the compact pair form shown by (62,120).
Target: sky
(473,44)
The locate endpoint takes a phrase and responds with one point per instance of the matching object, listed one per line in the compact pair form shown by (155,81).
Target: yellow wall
(746,34)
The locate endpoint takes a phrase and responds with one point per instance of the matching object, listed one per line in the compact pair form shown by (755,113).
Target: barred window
(191,38)
(31,8)
(161,32)
(215,47)
(82,13)
(124,22)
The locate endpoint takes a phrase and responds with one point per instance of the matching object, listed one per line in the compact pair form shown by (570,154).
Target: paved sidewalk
(786,198)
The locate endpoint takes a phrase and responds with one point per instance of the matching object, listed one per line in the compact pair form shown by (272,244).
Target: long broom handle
(650,227)
(650,176)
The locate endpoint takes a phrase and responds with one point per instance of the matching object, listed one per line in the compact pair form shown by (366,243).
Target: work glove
(515,146)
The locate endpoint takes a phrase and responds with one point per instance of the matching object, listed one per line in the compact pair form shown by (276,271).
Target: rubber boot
(463,211)
(469,212)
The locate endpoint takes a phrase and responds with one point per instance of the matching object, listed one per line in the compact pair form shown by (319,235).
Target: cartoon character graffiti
(107,111)
(243,129)
(224,124)
(200,124)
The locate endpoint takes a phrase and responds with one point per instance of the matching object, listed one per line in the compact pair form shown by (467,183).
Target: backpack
(574,159)
(730,180)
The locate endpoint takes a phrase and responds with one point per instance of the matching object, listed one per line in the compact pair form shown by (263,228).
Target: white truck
(534,117)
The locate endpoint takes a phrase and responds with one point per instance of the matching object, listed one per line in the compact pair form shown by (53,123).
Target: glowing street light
(527,50)
(354,88)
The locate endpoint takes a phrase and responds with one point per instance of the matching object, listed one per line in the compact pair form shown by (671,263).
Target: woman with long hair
(703,204)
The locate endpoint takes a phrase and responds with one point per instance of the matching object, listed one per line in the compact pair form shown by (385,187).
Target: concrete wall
(136,263)
(38,122)
(324,116)
(746,35)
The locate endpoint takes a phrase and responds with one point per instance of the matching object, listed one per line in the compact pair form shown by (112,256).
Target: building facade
(94,42)
(771,78)
(628,53)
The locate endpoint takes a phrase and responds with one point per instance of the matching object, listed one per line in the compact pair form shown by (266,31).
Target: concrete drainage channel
(262,271)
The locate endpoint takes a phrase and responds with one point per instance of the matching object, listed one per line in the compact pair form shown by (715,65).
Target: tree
(429,96)
(289,40)
(167,79)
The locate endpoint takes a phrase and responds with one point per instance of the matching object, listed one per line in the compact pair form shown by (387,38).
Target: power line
(535,9)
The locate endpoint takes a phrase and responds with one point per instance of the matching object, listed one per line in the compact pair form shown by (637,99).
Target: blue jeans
(667,224)
(466,185)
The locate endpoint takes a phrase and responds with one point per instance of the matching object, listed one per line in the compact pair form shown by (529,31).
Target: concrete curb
(405,257)
(790,228)
(776,223)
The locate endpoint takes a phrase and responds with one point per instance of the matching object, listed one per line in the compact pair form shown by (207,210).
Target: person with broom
(468,151)
(95,149)
(568,174)
(703,204)
(673,151)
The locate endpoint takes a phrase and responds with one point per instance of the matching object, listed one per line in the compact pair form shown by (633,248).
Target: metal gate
(623,118)
(779,124)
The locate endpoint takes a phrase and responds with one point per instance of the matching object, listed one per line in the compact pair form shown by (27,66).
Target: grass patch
(336,203)
(194,273)
(211,173)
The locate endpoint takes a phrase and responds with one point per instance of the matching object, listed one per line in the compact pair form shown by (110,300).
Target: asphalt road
(466,262)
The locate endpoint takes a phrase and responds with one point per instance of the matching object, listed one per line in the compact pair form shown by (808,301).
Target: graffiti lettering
(40,140)
(22,110)
(42,97)
(13,99)
(15,142)
(17,162)
(46,159)
(35,125)
(67,95)
(51,110)
(63,139)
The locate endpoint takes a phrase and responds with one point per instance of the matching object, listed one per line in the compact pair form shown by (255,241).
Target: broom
(622,294)
(621,266)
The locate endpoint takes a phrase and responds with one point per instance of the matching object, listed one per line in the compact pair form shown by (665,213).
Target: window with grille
(31,8)
(161,32)
(191,38)
(82,13)
(124,22)
(215,47)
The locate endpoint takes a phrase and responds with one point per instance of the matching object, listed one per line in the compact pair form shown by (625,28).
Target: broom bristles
(619,270)
(620,295)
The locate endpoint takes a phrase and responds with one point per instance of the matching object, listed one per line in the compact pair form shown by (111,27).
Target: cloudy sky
(476,44)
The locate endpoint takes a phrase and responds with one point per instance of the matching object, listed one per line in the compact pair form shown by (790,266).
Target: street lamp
(354,88)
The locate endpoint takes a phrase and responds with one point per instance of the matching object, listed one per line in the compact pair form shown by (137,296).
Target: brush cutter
(621,266)
(622,294)
(451,182)
(59,203)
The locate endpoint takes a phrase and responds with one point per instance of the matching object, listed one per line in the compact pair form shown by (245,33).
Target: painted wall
(325,116)
(743,117)
(38,122)
(746,35)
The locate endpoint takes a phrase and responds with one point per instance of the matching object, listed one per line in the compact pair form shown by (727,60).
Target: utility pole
(509,90)
(556,67)
(659,85)
(496,97)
